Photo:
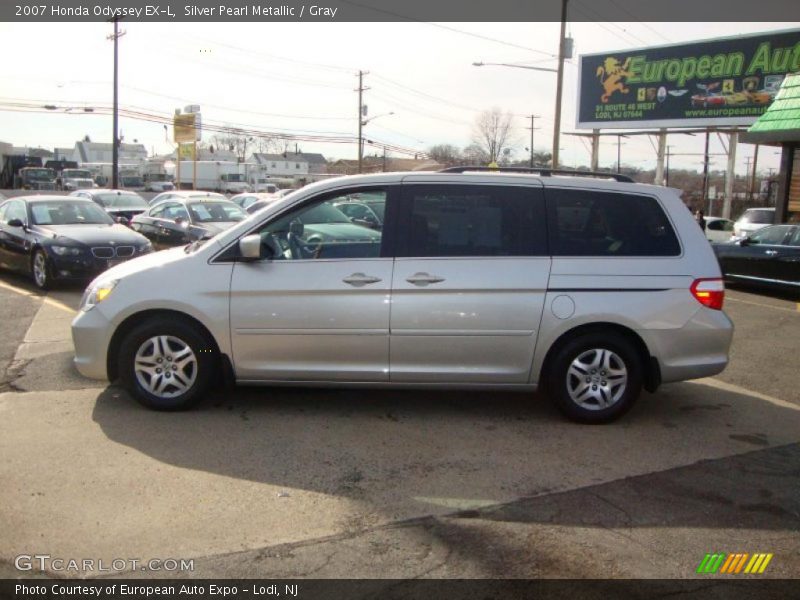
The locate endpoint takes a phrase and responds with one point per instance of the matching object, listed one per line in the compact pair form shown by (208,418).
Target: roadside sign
(186,127)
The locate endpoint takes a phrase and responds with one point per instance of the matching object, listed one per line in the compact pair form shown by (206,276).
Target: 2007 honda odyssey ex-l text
(590,287)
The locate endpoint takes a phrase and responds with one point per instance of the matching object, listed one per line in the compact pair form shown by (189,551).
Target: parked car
(75,179)
(752,220)
(245,200)
(57,238)
(364,210)
(718,229)
(590,288)
(178,194)
(121,205)
(769,257)
(179,221)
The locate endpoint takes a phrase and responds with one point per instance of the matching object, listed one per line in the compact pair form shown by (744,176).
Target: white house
(289,164)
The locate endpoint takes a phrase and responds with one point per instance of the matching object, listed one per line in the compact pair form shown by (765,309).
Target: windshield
(215,212)
(40,174)
(234,177)
(65,212)
(125,200)
(131,180)
(158,177)
(76,174)
(760,217)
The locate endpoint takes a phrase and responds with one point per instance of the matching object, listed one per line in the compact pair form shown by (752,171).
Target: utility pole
(559,83)
(115,138)
(532,128)
(705,176)
(361,90)
(619,154)
(666,172)
(384,159)
(753,174)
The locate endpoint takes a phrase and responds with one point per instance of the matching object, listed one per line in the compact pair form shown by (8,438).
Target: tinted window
(474,220)
(589,223)
(770,235)
(215,212)
(795,239)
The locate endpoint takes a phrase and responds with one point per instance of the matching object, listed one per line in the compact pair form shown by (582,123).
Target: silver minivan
(589,287)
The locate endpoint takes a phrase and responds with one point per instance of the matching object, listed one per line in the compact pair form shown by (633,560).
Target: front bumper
(91,334)
(83,266)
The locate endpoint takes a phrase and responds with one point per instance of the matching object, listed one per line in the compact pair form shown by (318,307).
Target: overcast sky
(301,77)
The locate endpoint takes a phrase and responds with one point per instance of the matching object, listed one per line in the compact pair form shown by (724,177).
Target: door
(15,240)
(759,257)
(787,267)
(469,283)
(319,309)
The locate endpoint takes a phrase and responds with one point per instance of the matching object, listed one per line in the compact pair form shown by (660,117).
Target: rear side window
(473,220)
(591,223)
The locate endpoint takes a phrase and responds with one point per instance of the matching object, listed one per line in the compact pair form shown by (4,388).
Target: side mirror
(16,223)
(296,228)
(251,248)
(123,221)
(745,241)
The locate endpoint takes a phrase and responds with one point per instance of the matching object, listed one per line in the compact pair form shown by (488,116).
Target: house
(288,164)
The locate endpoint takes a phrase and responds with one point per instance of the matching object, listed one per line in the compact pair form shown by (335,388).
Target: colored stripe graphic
(733,564)
(711,563)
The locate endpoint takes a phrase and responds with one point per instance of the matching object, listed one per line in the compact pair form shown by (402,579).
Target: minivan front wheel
(596,377)
(166,364)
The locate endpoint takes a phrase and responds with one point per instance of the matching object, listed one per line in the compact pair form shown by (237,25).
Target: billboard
(728,81)
(187,127)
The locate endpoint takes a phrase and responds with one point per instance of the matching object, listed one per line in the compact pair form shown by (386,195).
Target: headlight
(67,250)
(146,248)
(96,293)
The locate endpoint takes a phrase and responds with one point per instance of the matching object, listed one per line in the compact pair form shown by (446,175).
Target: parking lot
(280,482)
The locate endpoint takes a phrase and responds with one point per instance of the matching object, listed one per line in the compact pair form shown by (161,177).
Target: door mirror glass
(16,223)
(122,220)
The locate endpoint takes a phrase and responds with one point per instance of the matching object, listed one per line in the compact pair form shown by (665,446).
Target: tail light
(709,292)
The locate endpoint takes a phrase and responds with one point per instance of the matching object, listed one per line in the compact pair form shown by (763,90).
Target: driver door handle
(360,280)
(423,279)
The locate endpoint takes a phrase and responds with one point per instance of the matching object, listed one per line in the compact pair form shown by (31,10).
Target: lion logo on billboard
(611,73)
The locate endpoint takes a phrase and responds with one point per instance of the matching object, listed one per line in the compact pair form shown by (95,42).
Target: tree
(238,142)
(492,133)
(446,154)
(475,155)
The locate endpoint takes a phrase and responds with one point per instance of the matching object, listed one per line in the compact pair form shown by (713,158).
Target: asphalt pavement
(278,482)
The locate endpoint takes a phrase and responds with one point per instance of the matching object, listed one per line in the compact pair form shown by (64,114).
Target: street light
(557,126)
(483,64)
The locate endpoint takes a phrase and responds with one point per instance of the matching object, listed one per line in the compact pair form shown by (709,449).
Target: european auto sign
(728,81)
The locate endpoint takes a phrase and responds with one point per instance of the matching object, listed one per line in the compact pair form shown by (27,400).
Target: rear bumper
(698,349)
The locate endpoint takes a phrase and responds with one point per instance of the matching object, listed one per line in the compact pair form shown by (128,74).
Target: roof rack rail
(543,171)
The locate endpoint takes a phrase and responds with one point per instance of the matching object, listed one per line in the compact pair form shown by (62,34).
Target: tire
(595,377)
(40,270)
(147,353)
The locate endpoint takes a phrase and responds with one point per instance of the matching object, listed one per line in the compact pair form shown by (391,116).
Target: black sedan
(121,205)
(58,238)
(181,220)
(768,257)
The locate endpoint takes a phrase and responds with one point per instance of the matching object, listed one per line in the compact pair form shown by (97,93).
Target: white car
(752,220)
(718,229)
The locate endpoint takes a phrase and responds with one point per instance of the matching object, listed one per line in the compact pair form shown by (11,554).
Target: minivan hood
(142,263)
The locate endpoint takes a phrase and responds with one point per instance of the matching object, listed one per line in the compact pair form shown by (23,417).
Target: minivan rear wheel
(595,377)
(167,364)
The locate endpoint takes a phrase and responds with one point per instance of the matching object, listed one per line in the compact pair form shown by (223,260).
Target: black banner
(718,82)
(729,588)
(475,11)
